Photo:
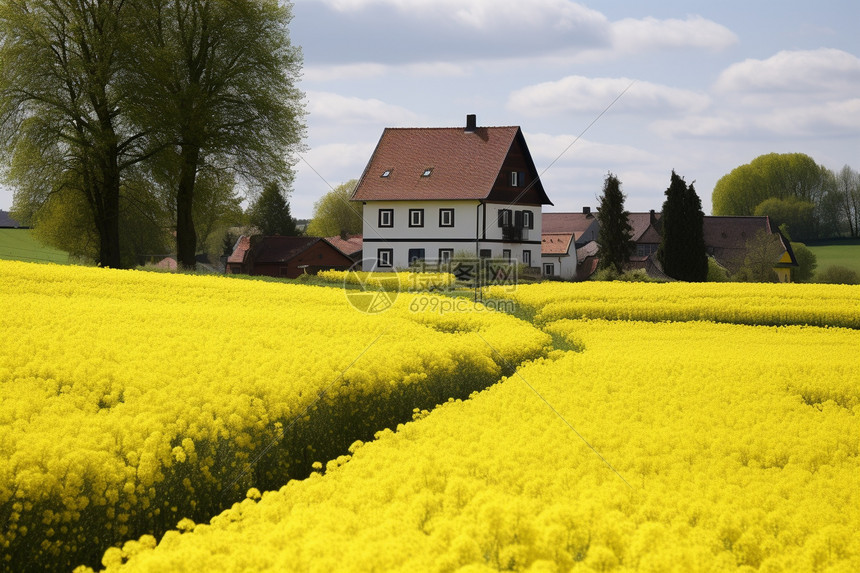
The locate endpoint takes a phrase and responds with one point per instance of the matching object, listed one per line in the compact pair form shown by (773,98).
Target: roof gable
(556,243)
(443,164)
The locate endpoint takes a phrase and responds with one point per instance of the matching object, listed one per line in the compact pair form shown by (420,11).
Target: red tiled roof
(464,164)
(243,245)
(555,243)
(576,223)
(348,246)
(278,249)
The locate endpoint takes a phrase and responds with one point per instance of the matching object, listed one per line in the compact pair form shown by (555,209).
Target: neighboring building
(286,257)
(429,193)
(558,255)
(726,240)
(350,245)
(584,226)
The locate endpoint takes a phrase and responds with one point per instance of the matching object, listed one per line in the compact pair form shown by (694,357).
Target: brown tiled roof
(555,243)
(243,245)
(463,164)
(733,232)
(277,249)
(645,227)
(576,223)
(348,246)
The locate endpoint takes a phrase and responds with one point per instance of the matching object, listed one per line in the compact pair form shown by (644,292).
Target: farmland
(694,437)
(19,245)
(843,253)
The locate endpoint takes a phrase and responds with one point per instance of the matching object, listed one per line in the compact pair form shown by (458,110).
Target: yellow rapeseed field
(131,399)
(674,427)
(657,447)
(738,303)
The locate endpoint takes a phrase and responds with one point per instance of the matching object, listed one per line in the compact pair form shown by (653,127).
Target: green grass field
(19,245)
(845,253)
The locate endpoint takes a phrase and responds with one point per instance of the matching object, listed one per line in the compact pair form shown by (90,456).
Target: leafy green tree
(270,213)
(682,249)
(62,88)
(334,214)
(615,239)
(794,212)
(847,199)
(221,92)
(761,255)
(772,176)
(807,263)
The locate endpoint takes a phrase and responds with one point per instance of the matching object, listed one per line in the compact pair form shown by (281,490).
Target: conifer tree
(615,238)
(271,213)
(682,251)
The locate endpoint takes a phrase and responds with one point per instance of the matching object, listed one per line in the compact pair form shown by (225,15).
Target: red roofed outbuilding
(286,257)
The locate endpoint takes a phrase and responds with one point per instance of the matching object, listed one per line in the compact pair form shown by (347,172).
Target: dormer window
(427,172)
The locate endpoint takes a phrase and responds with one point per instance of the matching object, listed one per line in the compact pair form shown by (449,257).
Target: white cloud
(487,14)
(580,94)
(346,110)
(825,71)
(632,36)
(791,94)
(547,148)
(361,70)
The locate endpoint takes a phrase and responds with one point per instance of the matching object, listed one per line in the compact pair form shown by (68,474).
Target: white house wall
(475,229)
(564,267)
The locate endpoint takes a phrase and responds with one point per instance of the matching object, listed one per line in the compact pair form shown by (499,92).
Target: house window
(416,217)
(528,220)
(485,253)
(445,255)
(527,257)
(386,217)
(515,179)
(446,217)
(427,172)
(385,258)
(506,254)
(415,255)
(549,269)
(505,218)
(386,173)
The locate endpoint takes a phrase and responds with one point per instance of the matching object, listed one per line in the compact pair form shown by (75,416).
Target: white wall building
(431,193)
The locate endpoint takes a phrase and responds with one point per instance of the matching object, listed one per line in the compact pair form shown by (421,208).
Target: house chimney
(586,210)
(471,122)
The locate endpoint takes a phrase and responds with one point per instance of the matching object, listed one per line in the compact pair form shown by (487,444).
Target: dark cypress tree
(271,213)
(682,250)
(615,238)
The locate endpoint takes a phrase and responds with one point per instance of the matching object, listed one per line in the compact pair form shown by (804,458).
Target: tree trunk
(186,236)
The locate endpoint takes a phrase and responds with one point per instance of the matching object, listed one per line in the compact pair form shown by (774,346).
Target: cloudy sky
(699,87)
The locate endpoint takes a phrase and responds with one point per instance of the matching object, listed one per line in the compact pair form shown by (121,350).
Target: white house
(558,255)
(431,192)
